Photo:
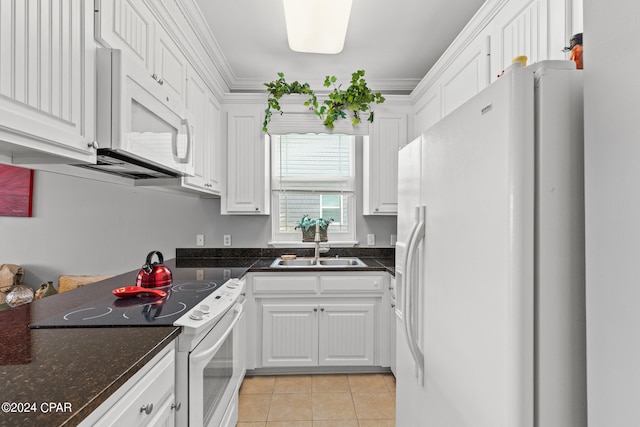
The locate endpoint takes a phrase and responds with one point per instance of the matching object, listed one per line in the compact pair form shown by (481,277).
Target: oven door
(216,369)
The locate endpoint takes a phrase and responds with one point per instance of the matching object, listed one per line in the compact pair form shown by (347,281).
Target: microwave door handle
(197,357)
(184,159)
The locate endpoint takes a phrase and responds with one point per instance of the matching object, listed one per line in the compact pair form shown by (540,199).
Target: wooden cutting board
(67,283)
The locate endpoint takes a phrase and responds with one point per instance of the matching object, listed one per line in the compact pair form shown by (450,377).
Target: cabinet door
(126,25)
(428,110)
(520,28)
(347,334)
(289,334)
(380,164)
(196,102)
(466,76)
(247,162)
(170,64)
(213,179)
(47,78)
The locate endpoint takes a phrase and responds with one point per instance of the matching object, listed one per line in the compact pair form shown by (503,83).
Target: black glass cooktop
(107,310)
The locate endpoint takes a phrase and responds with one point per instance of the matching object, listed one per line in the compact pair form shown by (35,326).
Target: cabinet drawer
(350,284)
(153,389)
(285,284)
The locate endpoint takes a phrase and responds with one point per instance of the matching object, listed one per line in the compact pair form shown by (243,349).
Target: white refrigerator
(490,259)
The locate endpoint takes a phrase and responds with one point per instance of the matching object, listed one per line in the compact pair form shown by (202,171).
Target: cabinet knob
(93,144)
(161,82)
(147,408)
(322,309)
(393,306)
(257,209)
(154,76)
(315,309)
(176,406)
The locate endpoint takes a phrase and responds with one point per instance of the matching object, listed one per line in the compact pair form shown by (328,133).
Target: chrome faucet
(316,239)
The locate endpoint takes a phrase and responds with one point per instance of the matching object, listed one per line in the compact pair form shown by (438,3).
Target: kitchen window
(313,174)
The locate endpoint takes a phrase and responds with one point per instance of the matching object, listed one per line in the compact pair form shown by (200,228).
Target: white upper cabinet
(196,102)
(539,29)
(170,64)
(387,134)
(47,81)
(499,32)
(203,112)
(428,110)
(248,170)
(127,25)
(214,178)
(467,75)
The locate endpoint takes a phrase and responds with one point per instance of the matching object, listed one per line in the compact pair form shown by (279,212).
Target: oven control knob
(196,315)
(204,308)
(232,285)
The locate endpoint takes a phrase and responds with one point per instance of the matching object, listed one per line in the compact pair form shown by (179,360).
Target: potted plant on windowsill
(353,101)
(308,227)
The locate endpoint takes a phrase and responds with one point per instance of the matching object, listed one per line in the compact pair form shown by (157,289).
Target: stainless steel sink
(322,263)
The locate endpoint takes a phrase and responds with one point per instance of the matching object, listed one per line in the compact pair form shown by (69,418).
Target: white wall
(83,226)
(612,154)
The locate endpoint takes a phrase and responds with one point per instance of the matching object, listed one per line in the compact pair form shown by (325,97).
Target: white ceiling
(395,42)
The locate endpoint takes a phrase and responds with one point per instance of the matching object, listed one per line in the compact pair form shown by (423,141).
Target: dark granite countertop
(260,259)
(76,369)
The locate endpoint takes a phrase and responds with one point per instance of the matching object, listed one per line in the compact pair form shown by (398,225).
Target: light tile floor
(358,400)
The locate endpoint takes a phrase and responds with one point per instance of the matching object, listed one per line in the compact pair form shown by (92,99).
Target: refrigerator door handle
(410,305)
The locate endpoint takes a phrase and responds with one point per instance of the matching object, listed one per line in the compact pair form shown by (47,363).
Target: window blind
(313,174)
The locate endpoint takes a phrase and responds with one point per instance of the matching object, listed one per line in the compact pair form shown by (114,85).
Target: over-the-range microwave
(141,131)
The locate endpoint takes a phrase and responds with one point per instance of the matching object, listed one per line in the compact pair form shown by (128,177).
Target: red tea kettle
(154,275)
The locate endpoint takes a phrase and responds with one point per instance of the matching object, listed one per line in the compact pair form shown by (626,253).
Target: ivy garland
(356,99)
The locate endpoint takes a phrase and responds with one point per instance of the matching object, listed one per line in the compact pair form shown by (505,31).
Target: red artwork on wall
(16,189)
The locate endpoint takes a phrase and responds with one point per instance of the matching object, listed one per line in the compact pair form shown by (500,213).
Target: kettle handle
(151,254)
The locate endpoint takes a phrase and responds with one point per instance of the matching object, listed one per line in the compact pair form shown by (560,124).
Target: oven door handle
(205,355)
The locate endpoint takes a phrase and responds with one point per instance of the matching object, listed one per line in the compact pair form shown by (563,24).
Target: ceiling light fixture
(317,26)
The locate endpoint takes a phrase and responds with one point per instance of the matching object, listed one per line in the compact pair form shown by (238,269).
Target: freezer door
(409,193)
(476,289)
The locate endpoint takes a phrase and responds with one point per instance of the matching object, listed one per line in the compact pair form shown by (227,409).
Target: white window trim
(340,239)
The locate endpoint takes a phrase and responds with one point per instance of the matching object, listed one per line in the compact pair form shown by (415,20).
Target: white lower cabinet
(347,334)
(320,319)
(146,399)
(289,334)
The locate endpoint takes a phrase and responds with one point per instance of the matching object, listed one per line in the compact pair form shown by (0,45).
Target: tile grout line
(357,419)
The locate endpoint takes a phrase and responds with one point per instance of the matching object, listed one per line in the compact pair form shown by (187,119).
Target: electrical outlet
(394,239)
(200,240)
(371,239)
(226,274)
(199,274)
(226,240)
